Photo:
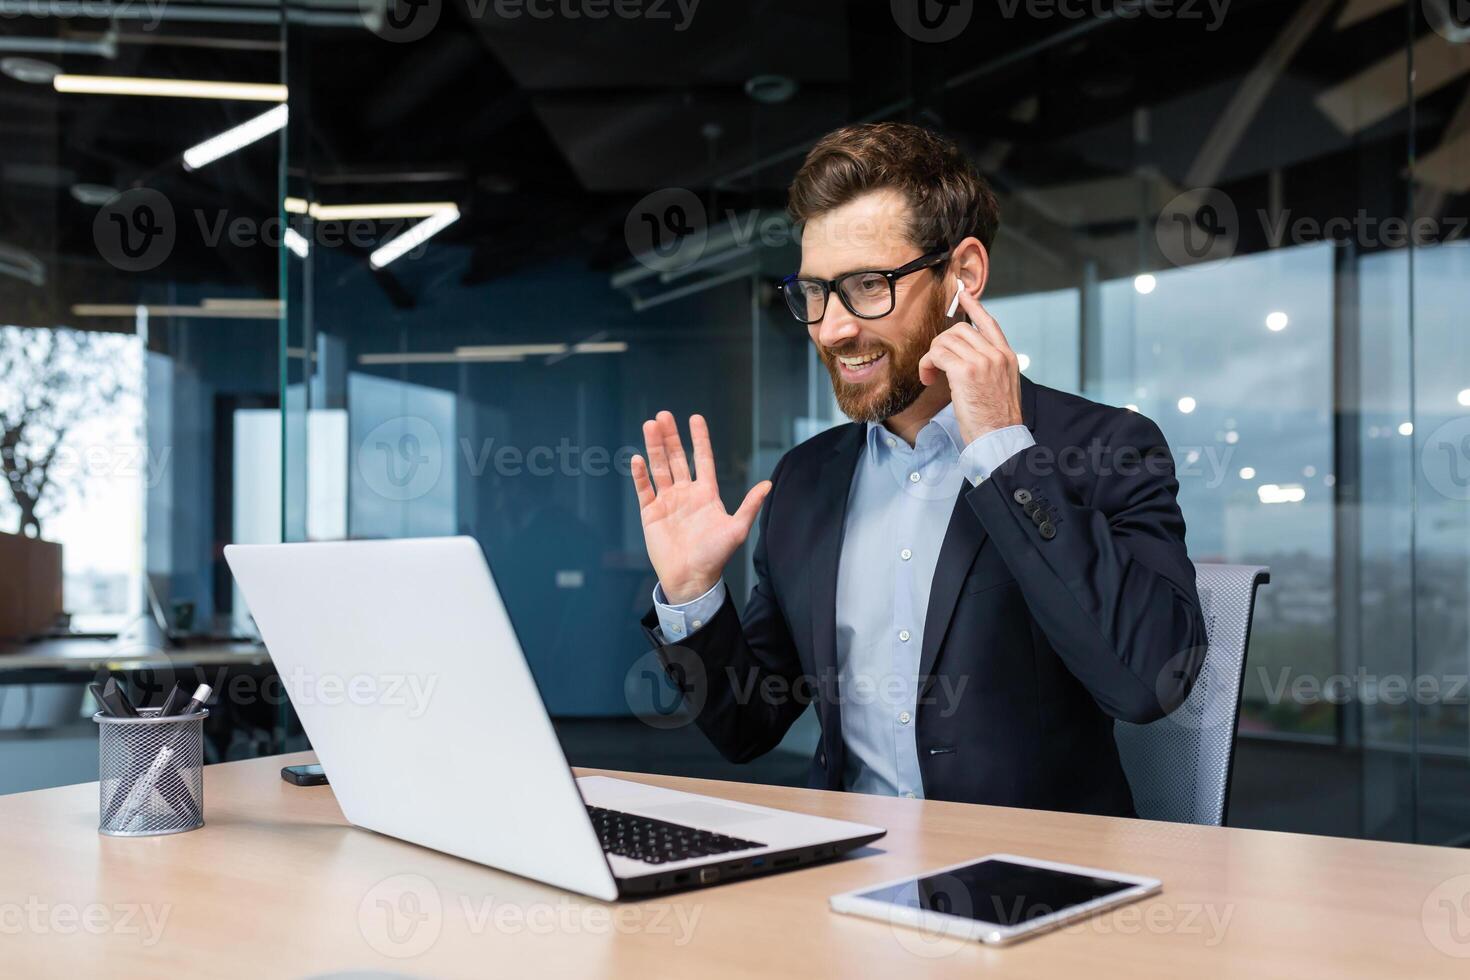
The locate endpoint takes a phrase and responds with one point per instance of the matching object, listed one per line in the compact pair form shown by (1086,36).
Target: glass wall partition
(520,230)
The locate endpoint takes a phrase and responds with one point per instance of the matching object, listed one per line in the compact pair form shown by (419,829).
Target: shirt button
(698,623)
(905,718)
(905,554)
(908,794)
(892,442)
(914,477)
(903,635)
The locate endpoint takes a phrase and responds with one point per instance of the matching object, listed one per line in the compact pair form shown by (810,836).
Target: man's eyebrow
(861,268)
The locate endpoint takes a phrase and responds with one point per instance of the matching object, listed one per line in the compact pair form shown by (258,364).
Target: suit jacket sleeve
(1095,539)
(740,673)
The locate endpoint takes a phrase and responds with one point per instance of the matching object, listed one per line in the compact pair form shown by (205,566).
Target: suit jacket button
(1022,497)
(1048,530)
(1039,517)
(1031,508)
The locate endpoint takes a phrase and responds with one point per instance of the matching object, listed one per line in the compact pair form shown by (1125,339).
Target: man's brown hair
(948,199)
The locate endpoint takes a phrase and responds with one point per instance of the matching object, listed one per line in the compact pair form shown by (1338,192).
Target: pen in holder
(150,773)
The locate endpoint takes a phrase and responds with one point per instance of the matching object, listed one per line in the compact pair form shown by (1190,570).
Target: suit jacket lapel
(834,485)
(962,542)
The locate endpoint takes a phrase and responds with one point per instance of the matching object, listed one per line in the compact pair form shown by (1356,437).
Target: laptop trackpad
(699,814)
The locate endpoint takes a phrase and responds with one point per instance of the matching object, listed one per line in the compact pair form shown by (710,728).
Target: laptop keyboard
(658,841)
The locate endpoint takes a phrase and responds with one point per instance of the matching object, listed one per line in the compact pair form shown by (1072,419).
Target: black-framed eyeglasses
(868,294)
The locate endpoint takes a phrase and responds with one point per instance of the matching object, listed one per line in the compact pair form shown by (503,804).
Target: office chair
(1179,766)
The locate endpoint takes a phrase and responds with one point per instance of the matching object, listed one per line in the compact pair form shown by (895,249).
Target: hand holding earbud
(984,377)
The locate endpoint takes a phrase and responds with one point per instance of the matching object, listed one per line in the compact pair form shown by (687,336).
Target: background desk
(277,885)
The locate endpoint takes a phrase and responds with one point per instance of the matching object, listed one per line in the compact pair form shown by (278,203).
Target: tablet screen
(1000,892)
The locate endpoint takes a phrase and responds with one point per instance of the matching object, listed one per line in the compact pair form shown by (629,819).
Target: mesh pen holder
(150,773)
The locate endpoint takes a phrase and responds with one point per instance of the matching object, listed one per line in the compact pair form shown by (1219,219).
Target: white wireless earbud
(954,304)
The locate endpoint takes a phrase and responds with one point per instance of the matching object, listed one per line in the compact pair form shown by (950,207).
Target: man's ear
(971,262)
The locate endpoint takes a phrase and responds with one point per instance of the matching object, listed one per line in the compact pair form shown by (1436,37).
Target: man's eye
(872,284)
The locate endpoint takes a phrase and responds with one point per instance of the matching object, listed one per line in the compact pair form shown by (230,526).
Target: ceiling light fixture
(236,138)
(413,237)
(178,88)
(371,212)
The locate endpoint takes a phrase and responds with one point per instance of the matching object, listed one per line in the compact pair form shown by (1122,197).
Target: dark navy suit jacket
(1063,597)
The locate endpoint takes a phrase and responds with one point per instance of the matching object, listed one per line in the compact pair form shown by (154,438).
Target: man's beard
(875,401)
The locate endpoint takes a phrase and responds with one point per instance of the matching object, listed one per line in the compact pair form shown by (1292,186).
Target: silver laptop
(407,675)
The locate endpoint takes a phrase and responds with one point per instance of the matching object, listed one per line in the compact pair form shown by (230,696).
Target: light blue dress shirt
(898,511)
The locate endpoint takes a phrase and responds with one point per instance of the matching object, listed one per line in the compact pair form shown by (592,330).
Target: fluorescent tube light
(178,88)
(370,212)
(413,237)
(130,311)
(236,138)
(296,242)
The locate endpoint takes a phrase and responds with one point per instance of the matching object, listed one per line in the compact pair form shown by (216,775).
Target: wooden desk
(276,885)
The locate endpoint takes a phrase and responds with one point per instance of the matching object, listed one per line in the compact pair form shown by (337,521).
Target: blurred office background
(1246,220)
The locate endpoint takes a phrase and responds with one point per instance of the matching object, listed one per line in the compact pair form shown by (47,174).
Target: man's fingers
(673,447)
(751,505)
(641,483)
(653,441)
(704,453)
(984,323)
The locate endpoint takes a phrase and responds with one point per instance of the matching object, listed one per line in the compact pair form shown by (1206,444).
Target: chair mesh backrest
(1179,766)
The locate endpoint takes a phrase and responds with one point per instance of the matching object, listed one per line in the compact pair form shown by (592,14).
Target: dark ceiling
(546,131)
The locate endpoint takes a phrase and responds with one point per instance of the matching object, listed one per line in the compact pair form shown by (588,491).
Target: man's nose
(837,325)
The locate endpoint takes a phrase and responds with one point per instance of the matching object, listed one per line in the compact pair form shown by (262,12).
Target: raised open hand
(688,533)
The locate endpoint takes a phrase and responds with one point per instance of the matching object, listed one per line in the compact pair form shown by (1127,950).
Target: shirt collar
(945,420)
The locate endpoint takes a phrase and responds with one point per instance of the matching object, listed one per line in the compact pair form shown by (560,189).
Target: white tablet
(997,899)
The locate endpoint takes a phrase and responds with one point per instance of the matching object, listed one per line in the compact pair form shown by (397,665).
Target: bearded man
(970,581)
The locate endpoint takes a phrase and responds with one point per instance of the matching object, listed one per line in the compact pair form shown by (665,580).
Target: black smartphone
(304,775)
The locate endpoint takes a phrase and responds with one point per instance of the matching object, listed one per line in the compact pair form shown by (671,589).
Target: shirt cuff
(984,455)
(687,618)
